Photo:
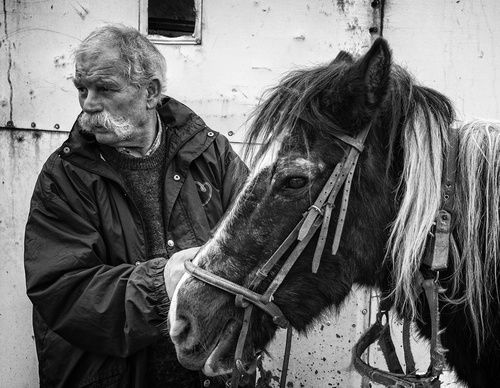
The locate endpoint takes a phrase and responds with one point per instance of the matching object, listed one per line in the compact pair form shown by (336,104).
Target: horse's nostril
(180,329)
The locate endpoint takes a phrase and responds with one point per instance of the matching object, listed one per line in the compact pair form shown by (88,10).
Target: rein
(318,215)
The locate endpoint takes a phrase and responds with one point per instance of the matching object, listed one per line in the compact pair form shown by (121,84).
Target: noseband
(318,215)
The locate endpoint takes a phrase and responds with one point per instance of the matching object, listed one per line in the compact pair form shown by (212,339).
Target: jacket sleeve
(91,302)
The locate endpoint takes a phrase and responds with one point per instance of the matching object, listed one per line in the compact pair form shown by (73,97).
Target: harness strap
(431,289)
(437,260)
(278,279)
(263,272)
(346,169)
(271,308)
(311,215)
(387,379)
(336,180)
(409,360)
(286,356)
(238,354)
(322,238)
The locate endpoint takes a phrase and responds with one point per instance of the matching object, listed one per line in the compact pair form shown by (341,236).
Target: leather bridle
(318,215)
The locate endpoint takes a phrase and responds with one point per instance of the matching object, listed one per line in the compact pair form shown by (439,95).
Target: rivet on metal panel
(56,126)
(364,311)
(33,125)
(373,30)
(230,133)
(10,123)
(375,3)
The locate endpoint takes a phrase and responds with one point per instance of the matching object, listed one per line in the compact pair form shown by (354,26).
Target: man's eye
(295,183)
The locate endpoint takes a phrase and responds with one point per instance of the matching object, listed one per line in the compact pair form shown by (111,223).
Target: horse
(402,134)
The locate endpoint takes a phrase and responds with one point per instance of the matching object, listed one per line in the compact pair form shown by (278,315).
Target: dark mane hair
(301,102)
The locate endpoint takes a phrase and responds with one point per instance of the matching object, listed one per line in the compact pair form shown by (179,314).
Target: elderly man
(140,178)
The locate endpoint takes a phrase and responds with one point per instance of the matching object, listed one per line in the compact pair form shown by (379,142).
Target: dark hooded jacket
(98,302)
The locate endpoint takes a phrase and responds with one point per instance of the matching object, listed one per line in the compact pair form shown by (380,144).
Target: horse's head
(304,117)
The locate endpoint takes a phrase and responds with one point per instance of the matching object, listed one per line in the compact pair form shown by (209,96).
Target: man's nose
(91,103)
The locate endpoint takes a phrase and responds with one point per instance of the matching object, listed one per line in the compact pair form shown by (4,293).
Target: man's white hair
(140,63)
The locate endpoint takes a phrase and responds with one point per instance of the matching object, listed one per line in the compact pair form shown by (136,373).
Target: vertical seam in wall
(382,7)
(9,55)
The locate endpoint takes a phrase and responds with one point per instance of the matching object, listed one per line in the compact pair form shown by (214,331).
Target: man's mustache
(103,119)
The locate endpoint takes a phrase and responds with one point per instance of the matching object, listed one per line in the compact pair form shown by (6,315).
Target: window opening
(173,21)
(171,18)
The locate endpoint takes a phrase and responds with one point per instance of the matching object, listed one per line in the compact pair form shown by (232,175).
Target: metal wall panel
(36,90)
(246,47)
(451,46)
(22,153)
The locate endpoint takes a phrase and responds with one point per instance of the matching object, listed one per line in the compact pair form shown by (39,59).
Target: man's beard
(119,126)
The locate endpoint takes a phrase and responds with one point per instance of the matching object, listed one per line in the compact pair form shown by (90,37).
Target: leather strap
(235,289)
(240,372)
(387,379)
(431,289)
(409,360)
(286,357)
(437,260)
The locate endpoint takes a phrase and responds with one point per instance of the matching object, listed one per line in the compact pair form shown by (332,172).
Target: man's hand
(174,269)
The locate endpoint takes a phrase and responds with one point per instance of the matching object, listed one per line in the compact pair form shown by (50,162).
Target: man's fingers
(174,269)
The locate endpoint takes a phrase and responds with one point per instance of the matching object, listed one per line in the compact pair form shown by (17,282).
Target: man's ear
(153,93)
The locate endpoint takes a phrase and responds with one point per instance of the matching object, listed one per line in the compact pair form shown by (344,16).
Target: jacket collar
(181,122)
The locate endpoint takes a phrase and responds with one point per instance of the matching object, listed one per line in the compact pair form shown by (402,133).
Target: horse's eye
(296,183)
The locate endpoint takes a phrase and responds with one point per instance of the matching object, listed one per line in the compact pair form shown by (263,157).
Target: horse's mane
(298,97)
(418,125)
(474,282)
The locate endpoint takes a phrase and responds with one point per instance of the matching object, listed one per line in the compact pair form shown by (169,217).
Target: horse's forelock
(293,109)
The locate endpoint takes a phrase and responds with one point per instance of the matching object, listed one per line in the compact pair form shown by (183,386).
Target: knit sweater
(144,180)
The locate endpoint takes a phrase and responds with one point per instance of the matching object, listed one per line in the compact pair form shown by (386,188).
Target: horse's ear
(375,67)
(343,56)
(363,87)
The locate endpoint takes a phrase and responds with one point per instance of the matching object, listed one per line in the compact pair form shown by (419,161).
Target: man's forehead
(104,63)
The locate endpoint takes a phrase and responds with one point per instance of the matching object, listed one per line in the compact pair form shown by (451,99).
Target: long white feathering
(479,219)
(421,184)
(476,206)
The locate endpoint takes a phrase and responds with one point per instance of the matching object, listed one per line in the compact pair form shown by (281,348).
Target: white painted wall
(247,45)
